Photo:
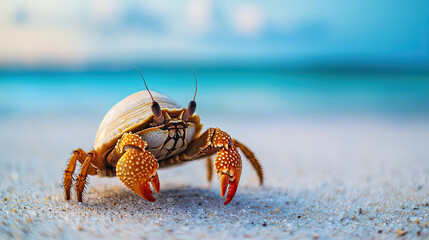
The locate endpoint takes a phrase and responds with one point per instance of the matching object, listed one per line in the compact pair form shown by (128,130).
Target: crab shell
(134,114)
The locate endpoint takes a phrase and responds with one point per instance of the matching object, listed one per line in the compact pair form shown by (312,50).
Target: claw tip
(224,180)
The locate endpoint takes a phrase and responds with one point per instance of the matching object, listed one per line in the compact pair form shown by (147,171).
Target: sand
(330,178)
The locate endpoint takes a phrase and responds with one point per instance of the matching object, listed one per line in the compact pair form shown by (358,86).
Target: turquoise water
(262,93)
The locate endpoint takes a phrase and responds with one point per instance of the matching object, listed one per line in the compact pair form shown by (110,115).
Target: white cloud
(35,45)
(104,11)
(199,14)
(249,19)
(48,31)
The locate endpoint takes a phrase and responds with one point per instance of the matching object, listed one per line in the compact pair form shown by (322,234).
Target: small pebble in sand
(170,199)
(401,232)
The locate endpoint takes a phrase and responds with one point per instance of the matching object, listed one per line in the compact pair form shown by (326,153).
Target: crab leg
(209,166)
(137,167)
(252,159)
(227,163)
(81,178)
(80,155)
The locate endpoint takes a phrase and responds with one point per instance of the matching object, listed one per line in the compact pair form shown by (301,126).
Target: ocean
(223,93)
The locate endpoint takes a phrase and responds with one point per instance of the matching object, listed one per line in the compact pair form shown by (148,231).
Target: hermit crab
(148,130)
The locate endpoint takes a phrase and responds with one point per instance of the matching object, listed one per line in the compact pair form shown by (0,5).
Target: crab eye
(156,110)
(192,106)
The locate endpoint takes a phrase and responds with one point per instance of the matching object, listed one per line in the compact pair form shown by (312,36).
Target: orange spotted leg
(137,167)
(227,163)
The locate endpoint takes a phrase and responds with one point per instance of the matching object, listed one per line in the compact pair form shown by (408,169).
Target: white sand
(332,178)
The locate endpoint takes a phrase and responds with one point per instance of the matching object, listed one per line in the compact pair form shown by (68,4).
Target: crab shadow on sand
(179,198)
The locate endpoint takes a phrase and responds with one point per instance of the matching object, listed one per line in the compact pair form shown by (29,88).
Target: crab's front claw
(137,167)
(225,180)
(228,167)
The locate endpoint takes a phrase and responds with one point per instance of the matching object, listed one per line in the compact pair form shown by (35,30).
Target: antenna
(146,84)
(196,83)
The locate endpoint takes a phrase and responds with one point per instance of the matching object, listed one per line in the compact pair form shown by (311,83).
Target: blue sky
(78,33)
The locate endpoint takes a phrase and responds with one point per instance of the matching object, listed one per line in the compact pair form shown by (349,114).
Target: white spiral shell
(132,112)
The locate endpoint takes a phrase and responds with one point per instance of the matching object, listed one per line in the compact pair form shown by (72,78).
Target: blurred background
(272,57)
(347,80)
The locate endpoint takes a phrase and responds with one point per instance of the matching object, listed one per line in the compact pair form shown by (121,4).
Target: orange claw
(155,182)
(145,192)
(233,185)
(232,189)
(137,167)
(227,164)
(229,174)
(143,189)
(224,181)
